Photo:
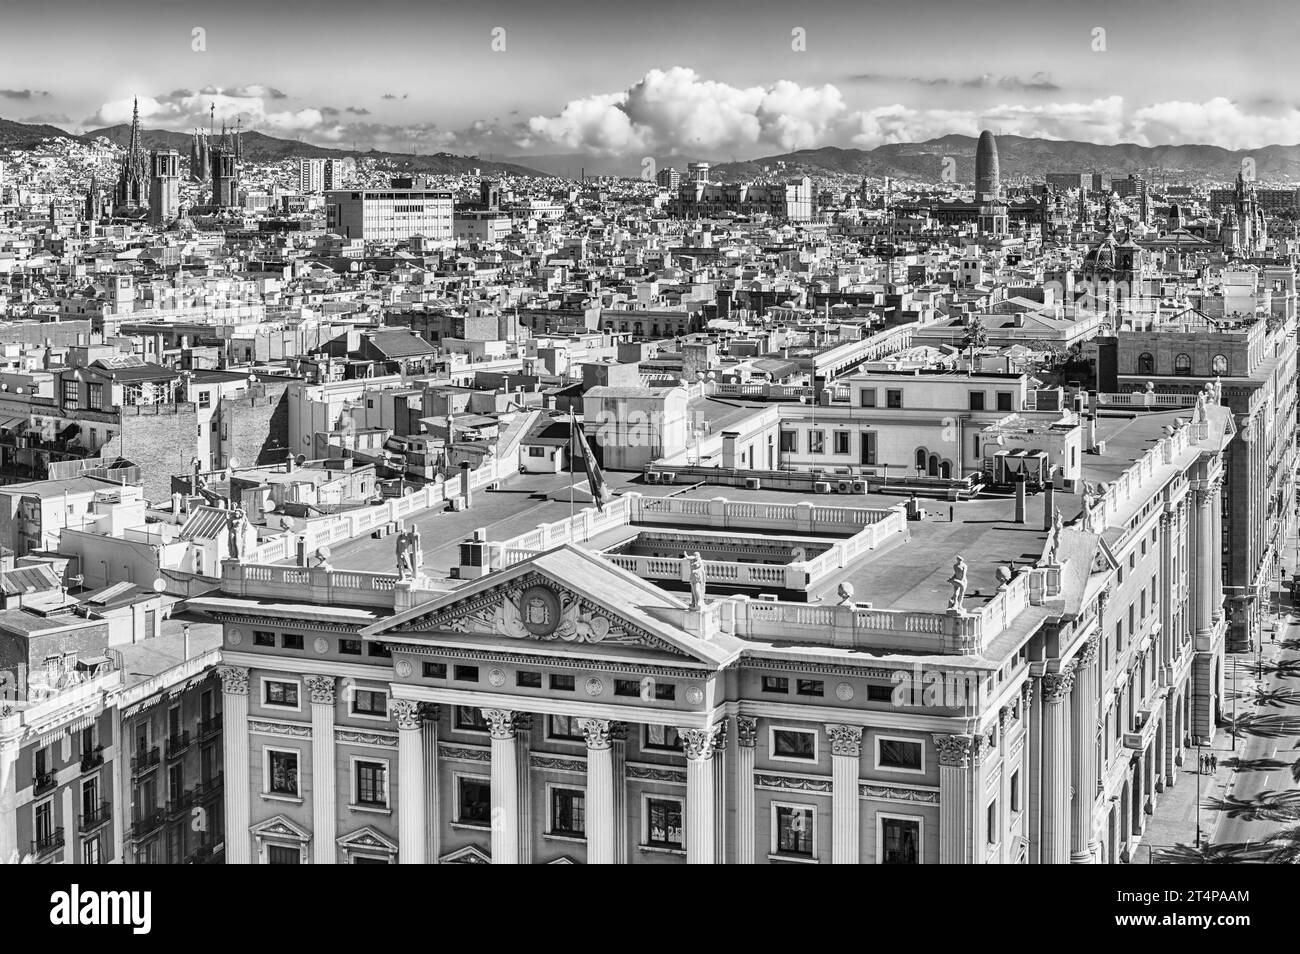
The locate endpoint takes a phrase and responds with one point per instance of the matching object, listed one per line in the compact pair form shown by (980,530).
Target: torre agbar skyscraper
(988,182)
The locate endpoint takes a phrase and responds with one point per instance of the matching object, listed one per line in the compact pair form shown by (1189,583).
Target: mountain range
(1018,157)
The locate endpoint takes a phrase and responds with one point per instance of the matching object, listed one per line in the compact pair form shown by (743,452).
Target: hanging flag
(599,489)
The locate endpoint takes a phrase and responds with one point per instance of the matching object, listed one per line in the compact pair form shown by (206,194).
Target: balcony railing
(144,760)
(179,806)
(92,759)
(177,744)
(43,782)
(209,727)
(49,842)
(146,824)
(96,816)
(208,788)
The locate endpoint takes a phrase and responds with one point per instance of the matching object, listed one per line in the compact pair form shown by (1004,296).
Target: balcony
(147,824)
(177,744)
(209,727)
(95,817)
(92,759)
(43,782)
(208,788)
(144,761)
(48,843)
(179,806)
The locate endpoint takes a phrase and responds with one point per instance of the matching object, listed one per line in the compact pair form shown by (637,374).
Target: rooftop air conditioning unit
(859,486)
(668,477)
(652,477)
(844,487)
(767,597)
(821,487)
(753,483)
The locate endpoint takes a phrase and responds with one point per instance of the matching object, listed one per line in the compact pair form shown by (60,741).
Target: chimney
(464,482)
(291,464)
(186,641)
(1049,503)
(1020,498)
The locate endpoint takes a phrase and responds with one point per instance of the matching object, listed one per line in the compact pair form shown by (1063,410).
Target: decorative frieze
(793,783)
(293,730)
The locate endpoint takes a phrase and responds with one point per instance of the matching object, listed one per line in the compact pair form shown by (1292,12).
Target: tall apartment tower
(164,186)
(669,179)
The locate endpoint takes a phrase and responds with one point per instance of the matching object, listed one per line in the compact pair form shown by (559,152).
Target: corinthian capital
(501,723)
(1057,685)
(746,731)
(596,732)
(407,713)
(234,680)
(1088,654)
(700,743)
(845,739)
(954,750)
(321,689)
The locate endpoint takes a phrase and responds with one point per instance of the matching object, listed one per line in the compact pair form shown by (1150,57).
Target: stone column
(505,787)
(1207,562)
(523,788)
(234,744)
(1031,697)
(954,798)
(432,799)
(698,745)
(1172,742)
(323,770)
(410,790)
(1055,837)
(746,738)
(1167,581)
(9,853)
(846,757)
(618,765)
(1216,544)
(1083,754)
(720,793)
(600,792)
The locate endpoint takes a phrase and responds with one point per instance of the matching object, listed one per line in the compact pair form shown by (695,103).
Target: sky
(719,79)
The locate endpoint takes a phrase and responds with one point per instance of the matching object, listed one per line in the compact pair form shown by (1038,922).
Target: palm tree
(1226,854)
(976,337)
(1285,847)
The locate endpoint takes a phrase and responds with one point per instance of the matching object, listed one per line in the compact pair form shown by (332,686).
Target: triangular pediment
(567,595)
(366,839)
(280,827)
(469,855)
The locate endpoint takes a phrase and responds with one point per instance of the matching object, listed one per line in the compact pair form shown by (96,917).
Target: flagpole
(573,446)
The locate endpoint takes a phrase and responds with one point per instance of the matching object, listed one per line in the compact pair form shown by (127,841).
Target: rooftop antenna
(212,119)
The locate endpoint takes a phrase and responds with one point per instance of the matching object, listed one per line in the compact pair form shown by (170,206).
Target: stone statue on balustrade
(410,559)
(696,563)
(237,526)
(958,581)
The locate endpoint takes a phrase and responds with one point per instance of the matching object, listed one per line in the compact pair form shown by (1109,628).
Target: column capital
(596,732)
(980,747)
(1103,597)
(501,723)
(746,731)
(234,680)
(1027,693)
(1004,719)
(954,750)
(407,713)
(845,739)
(321,689)
(618,731)
(1057,685)
(1088,654)
(699,743)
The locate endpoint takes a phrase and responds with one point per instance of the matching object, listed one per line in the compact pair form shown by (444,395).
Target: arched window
(1183,364)
(934,465)
(920,460)
(1146,363)
(945,469)
(1220,364)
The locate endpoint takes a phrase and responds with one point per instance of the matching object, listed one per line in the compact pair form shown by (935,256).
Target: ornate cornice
(407,714)
(283,622)
(845,739)
(746,731)
(234,680)
(954,750)
(321,689)
(558,662)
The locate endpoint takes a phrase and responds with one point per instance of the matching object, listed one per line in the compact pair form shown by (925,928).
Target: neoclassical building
(884,691)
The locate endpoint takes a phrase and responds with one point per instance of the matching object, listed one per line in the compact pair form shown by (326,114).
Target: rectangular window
(528,679)
(90,851)
(991,835)
(537,452)
(793,830)
(880,693)
(841,442)
(630,688)
(205,399)
(95,396)
(663,822)
(662,737)
(568,808)
(434,670)
(565,728)
(70,392)
(793,744)
(280,694)
(378,649)
(776,684)
(465,673)
(372,783)
(665,691)
(470,719)
(1004,401)
(281,772)
(370,702)
(474,801)
(263,638)
(562,683)
(810,687)
(283,855)
(867,453)
(816,442)
(867,397)
(977,400)
(789,442)
(899,754)
(900,840)
(894,398)
(1015,791)
(291,641)
(350,647)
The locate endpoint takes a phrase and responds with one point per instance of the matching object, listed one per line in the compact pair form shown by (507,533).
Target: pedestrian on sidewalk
(1205,763)
(1214,763)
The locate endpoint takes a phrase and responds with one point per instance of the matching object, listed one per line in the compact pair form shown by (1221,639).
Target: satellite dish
(159,585)
(323,552)
(234,463)
(300,460)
